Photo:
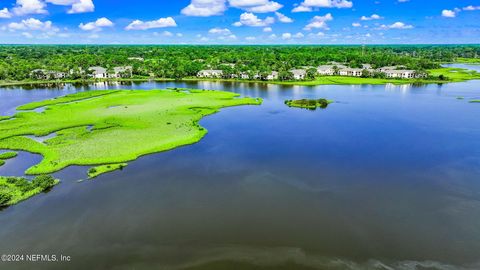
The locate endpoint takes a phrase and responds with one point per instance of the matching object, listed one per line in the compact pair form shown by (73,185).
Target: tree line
(18,61)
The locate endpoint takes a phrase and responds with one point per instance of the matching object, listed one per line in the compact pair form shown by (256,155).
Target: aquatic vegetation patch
(90,132)
(16,189)
(65,99)
(8,155)
(475,101)
(311,104)
(98,170)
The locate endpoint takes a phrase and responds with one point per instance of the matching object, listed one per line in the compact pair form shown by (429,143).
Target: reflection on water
(385,178)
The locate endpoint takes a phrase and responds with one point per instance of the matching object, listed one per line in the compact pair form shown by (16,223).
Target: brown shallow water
(386,177)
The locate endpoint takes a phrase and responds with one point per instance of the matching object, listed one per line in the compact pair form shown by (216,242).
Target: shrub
(43,181)
(4,198)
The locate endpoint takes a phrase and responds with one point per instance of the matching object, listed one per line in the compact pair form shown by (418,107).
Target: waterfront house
(326,70)
(42,74)
(210,73)
(122,72)
(273,76)
(404,74)
(98,72)
(299,74)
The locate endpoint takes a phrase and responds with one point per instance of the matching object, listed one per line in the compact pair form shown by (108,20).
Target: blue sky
(240,21)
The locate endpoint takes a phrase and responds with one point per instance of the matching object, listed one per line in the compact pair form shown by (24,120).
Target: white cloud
(250,38)
(269,7)
(308,5)
(267,29)
(205,8)
(27,35)
(5,14)
(96,25)
(77,6)
(25,7)
(250,19)
(160,23)
(257,6)
(286,36)
(282,18)
(372,17)
(319,22)
(299,35)
(82,6)
(32,25)
(356,24)
(449,13)
(220,31)
(397,25)
(471,8)
(302,8)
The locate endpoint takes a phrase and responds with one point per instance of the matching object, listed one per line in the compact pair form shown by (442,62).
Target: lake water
(388,177)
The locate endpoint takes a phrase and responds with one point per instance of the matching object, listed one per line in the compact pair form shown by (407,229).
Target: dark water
(386,178)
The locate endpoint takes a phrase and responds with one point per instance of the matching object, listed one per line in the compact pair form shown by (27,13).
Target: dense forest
(18,61)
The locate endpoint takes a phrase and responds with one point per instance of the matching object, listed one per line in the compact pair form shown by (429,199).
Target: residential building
(272,76)
(299,74)
(121,72)
(98,72)
(326,70)
(42,74)
(210,73)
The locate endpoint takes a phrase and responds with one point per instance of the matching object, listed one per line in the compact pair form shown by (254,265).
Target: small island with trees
(310,104)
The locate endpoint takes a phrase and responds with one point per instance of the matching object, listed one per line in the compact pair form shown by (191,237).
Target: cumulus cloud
(25,7)
(471,8)
(319,22)
(257,6)
(449,13)
(32,25)
(77,6)
(160,23)
(397,25)
(371,17)
(282,18)
(452,13)
(267,29)
(309,5)
(356,24)
(96,25)
(5,14)
(250,19)
(205,8)
(286,36)
(220,31)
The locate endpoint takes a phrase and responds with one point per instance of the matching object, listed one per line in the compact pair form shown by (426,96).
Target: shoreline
(453,75)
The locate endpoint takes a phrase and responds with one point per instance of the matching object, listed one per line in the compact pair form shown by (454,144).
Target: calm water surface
(388,177)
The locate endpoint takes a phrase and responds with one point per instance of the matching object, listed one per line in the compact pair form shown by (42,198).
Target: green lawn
(456,74)
(109,127)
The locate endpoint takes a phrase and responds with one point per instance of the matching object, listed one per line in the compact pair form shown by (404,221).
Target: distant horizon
(251,45)
(240,22)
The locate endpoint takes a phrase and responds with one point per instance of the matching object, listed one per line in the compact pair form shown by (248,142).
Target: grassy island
(311,104)
(111,127)
(16,189)
(8,155)
(475,101)
(98,170)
